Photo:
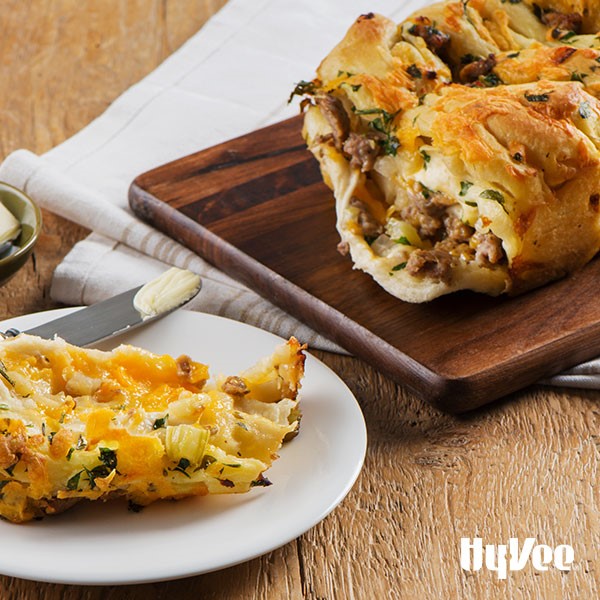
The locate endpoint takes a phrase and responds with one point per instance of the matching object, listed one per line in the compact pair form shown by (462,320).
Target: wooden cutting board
(256,208)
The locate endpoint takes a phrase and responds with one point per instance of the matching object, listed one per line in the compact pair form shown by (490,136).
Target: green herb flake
(403,240)
(159,423)
(108,457)
(207,460)
(414,72)
(260,482)
(10,469)
(70,453)
(4,407)
(182,465)
(513,55)
(233,465)
(5,374)
(303,88)
(578,76)
(567,36)
(81,443)
(471,203)
(426,158)
(585,110)
(356,87)
(491,80)
(537,97)
(425,191)
(73,483)
(464,187)
(399,266)
(496,196)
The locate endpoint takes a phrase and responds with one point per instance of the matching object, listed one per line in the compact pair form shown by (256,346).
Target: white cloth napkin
(232,77)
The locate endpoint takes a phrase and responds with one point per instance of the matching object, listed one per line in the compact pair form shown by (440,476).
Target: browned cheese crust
(463,145)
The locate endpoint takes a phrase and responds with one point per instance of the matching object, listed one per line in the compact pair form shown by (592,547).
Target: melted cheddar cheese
(85,424)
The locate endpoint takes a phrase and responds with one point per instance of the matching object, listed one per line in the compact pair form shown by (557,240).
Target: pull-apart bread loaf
(463,145)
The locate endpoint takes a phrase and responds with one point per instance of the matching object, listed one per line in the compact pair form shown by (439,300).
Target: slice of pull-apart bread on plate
(86,424)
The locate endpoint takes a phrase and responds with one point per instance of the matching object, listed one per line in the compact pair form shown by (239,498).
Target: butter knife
(139,306)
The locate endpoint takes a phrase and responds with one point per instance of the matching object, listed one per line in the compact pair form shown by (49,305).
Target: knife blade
(105,319)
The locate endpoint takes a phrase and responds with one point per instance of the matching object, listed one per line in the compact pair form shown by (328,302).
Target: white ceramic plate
(106,544)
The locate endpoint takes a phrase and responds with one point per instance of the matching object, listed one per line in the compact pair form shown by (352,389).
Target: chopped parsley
(414,72)
(73,482)
(537,97)
(108,457)
(159,423)
(575,76)
(383,124)
(399,266)
(182,465)
(260,482)
(426,158)
(467,59)
(513,55)
(427,193)
(496,196)
(5,374)
(70,453)
(207,460)
(303,88)
(403,240)
(465,186)
(491,80)
(565,37)
(4,407)
(471,203)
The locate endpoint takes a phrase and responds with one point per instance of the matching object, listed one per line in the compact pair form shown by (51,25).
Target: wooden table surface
(525,467)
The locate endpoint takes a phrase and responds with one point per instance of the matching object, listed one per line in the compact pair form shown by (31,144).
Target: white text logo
(512,556)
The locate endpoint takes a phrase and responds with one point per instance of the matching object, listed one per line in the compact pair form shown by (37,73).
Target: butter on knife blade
(171,289)
(118,314)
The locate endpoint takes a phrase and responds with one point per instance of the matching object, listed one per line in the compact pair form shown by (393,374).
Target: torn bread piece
(85,424)
(462,146)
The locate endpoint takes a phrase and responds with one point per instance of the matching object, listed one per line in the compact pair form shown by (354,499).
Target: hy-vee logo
(512,556)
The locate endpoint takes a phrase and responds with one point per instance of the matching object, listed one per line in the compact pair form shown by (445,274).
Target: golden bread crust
(463,145)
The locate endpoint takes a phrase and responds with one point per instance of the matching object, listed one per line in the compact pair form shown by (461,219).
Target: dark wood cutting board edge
(450,392)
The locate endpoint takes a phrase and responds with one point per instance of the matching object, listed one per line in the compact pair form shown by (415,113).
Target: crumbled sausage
(473,71)
(343,248)
(369,225)
(436,40)
(562,23)
(433,264)
(489,249)
(457,230)
(362,151)
(335,114)
(235,386)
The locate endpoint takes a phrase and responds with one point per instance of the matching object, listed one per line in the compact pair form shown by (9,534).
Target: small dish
(30,217)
